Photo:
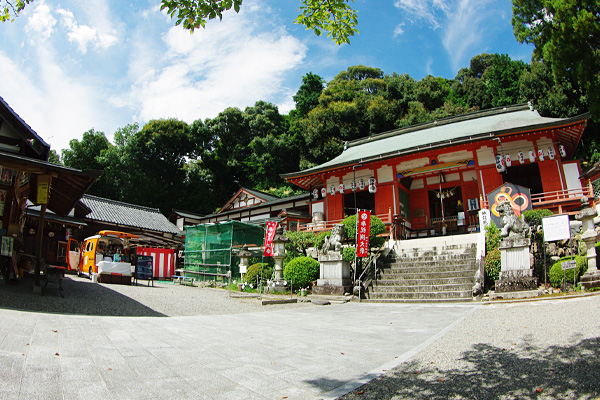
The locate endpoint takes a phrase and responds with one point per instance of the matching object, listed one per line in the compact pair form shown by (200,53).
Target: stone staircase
(428,270)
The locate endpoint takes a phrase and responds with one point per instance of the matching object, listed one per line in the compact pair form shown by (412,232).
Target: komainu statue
(512,226)
(334,242)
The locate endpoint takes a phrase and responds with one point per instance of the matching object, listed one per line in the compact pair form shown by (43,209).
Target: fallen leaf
(361,392)
(273,363)
(110,369)
(384,370)
(441,380)
(514,344)
(342,353)
(417,372)
(284,397)
(503,349)
(56,354)
(54,330)
(433,362)
(539,390)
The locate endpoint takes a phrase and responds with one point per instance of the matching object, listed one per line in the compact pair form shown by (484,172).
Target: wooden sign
(43,188)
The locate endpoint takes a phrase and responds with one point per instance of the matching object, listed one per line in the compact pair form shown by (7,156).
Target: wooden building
(415,177)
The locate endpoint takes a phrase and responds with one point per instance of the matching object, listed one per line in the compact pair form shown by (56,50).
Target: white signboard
(485,218)
(556,227)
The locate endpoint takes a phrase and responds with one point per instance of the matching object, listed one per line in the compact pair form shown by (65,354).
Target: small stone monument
(516,275)
(335,277)
(591,279)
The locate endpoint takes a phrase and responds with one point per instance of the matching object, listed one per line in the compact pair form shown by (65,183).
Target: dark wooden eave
(68,184)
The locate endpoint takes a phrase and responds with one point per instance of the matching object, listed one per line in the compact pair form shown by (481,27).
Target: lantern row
(503,162)
(372,185)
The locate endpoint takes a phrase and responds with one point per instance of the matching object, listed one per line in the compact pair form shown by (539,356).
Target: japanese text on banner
(269,235)
(363,229)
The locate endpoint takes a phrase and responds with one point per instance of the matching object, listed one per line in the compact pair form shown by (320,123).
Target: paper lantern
(323,192)
(531,156)
(332,190)
(521,157)
(562,151)
(551,153)
(541,155)
(500,166)
(342,187)
(372,185)
(361,184)
(507,160)
(315,194)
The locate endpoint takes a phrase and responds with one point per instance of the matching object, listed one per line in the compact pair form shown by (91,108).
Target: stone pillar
(335,277)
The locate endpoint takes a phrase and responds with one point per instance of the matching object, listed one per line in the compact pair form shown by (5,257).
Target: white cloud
(41,22)
(464,30)
(83,35)
(56,106)
(199,75)
(399,30)
(423,10)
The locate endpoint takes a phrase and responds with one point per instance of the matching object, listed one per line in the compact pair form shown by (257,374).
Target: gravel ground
(81,296)
(527,350)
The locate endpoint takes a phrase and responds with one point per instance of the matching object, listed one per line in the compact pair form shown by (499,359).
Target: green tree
(566,36)
(88,154)
(307,96)
(53,157)
(9,9)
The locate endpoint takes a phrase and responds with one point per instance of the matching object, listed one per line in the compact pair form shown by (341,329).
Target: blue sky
(71,65)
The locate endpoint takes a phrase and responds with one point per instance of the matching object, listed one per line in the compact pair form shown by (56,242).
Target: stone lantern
(591,279)
(279,241)
(244,256)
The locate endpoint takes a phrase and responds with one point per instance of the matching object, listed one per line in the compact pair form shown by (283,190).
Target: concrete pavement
(318,352)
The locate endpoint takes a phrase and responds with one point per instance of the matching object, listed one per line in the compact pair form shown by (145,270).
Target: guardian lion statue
(334,242)
(512,226)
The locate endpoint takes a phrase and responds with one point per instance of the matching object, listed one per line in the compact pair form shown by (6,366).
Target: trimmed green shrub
(253,272)
(349,253)
(301,271)
(492,237)
(377,227)
(534,217)
(556,273)
(492,267)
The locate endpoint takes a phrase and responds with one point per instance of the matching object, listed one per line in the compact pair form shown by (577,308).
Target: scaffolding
(211,249)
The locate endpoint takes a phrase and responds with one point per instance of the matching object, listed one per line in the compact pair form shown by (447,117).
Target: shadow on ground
(82,297)
(571,371)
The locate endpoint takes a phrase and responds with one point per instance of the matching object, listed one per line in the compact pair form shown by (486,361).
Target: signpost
(144,268)
(557,227)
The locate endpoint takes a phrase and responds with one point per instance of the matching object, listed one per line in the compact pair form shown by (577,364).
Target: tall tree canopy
(566,35)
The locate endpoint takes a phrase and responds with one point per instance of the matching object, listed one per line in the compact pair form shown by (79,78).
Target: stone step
(465,273)
(422,288)
(429,300)
(458,294)
(429,263)
(464,280)
(428,269)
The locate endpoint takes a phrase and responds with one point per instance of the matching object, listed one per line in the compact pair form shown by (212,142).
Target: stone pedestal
(591,279)
(516,273)
(335,276)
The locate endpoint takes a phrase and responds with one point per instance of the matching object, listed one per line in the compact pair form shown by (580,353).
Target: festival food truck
(107,252)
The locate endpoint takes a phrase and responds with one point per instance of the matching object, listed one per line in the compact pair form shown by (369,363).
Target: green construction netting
(211,249)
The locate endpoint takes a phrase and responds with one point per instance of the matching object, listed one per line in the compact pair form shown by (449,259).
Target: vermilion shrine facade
(419,176)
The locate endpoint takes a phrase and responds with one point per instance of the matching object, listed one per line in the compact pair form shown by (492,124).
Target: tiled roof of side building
(120,213)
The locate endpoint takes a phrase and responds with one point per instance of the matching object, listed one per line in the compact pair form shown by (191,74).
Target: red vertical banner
(363,229)
(269,235)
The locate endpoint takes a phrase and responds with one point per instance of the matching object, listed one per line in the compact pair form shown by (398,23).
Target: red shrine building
(420,177)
